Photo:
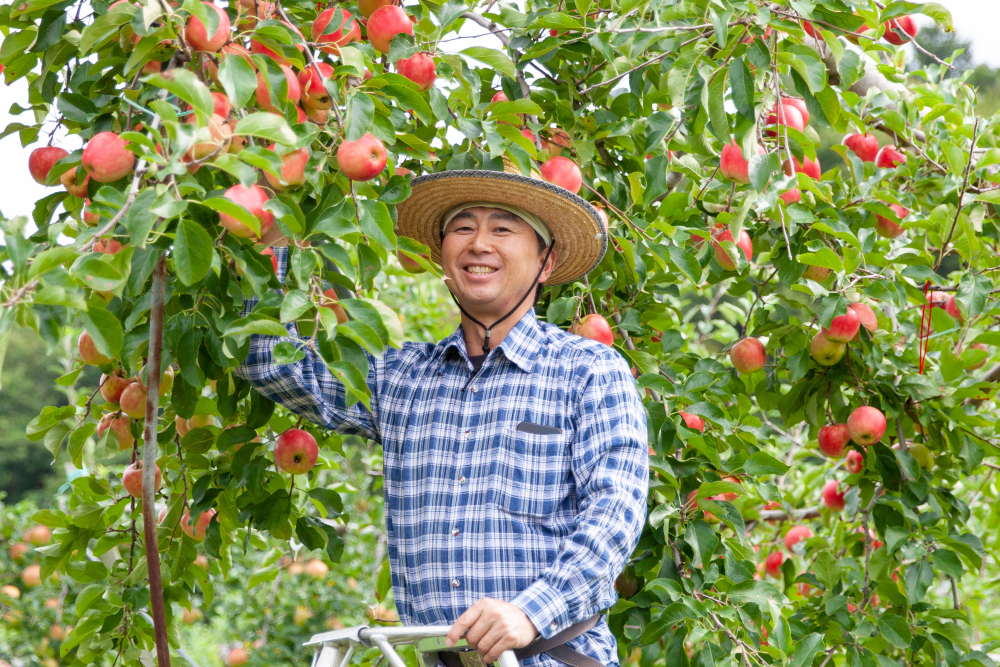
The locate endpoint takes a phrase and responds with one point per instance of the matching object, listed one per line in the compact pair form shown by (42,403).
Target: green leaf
(410,99)
(498,60)
(266,126)
(806,649)
(757,592)
(762,463)
(743,89)
(94,271)
(105,329)
(186,85)
(256,324)
(104,27)
(50,259)
(231,208)
(360,113)
(895,630)
(716,106)
(762,167)
(239,80)
(193,251)
(556,21)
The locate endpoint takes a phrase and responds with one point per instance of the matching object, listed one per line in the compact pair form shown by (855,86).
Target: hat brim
(580,238)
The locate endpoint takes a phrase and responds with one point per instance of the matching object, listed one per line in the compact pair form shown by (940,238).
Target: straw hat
(579,234)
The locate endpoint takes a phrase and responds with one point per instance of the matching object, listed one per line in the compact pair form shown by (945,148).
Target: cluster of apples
(830,345)
(897,31)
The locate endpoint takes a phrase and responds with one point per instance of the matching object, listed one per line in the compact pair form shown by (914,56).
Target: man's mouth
(480,270)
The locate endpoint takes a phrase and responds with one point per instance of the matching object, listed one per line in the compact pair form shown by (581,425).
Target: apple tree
(802,272)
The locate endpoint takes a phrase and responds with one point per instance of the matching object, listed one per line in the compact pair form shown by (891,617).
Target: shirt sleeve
(610,465)
(306,387)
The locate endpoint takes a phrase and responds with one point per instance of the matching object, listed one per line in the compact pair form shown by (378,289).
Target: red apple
(385,23)
(237,657)
(693,422)
(409,265)
(833,497)
(88,351)
(784,114)
(368,7)
(113,385)
(41,160)
(795,535)
(773,563)
(293,169)
(790,197)
(263,95)
(317,116)
(900,31)
(866,425)
(865,146)
(330,302)
(843,327)
(296,451)
(268,252)
(501,97)
(39,535)
(68,180)
(419,69)
(132,479)
(811,30)
(833,438)
(106,159)
(748,355)
(253,200)
(594,327)
(855,462)
(799,104)
(197,531)
(865,315)
(316,568)
(89,218)
(334,39)
(889,158)
(18,551)
(120,426)
(107,246)
(885,227)
(196,32)
(133,400)
(951,307)
(314,93)
(722,257)
(826,352)
(32,575)
(807,167)
(563,172)
(732,165)
(365,158)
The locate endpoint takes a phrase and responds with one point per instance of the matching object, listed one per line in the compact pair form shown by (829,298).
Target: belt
(554,646)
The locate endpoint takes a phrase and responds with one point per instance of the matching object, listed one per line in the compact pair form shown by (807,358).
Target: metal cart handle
(335,649)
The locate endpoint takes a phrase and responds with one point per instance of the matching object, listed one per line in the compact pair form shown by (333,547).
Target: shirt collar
(520,346)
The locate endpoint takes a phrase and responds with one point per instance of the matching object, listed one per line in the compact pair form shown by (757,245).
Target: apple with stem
(314,92)
(365,158)
(594,327)
(296,451)
(865,146)
(385,23)
(866,425)
(748,356)
(843,327)
(132,479)
(331,40)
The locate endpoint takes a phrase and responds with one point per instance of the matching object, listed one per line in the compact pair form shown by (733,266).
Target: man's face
(491,258)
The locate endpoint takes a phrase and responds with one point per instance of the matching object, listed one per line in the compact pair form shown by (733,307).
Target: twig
(961,196)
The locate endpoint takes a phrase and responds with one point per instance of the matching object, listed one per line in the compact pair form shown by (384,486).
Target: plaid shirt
(474,507)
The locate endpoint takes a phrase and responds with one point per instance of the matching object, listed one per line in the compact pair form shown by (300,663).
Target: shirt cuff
(545,607)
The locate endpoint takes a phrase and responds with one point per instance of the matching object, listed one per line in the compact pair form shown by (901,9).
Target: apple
(772,565)
(816,273)
(253,200)
(132,479)
(385,23)
(885,227)
(790,197)
(113,385)
(604,218)
(334,39)
(316,568)
(855,461)
(693,422)
(563,172)
(184,426)
(90,219)
(419,69)
(826,352)
(197,532)
(12,592)
(301,615)
(502,97)
(722,257)
(191,616)
(594,327)
(810,30)
(41,160)
(980,364)
(68,180)
(88,351)
(263,95)
(368,7)
(889,158)
(784,114)
(32,575)
(106,159)
(201,560)
(799,104)
(730,495)
(39,535)
(951,307)
(317,116)
(409,265)
(196,33)
(923,455)
(865,146)
(843,327)
(330,301)
(560,140)
(220,136)
(900,31)
(293,170)
(748,356)
(866,425)
(365,158)
(296,451)
(107,246)
(832,439)
(18,551)
(120,426)
(833,497)
(807,167)
(237,657)
(133,400)
(733,166)
(795,535)
(249,14)
(627,584)
(268,252)
(314,92)
(295,569)
(865,315)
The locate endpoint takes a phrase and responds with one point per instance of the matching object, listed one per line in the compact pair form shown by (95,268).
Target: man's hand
(491,627)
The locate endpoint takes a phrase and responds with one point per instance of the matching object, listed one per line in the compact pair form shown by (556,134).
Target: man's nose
(482,242)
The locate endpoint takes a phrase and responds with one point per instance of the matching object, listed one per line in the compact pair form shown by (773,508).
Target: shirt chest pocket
(530,475)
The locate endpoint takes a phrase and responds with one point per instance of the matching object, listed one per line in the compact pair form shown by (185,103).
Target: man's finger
(462,624)
(496,641)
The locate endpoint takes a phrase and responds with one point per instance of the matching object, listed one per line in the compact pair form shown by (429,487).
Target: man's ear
(549,266)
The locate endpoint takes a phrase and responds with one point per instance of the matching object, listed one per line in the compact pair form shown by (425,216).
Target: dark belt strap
(555,646)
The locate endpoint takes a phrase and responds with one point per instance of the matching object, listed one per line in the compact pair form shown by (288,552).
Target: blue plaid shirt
(474,507)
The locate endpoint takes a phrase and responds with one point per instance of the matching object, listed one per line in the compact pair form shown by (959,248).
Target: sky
(974,19)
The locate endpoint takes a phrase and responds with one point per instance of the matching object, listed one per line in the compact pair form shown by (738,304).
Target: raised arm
(611,470)
(306,387)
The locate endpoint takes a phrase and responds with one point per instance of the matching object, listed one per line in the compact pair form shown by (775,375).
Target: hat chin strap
(487,329)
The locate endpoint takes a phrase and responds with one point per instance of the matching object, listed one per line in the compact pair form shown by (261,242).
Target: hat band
(533,220)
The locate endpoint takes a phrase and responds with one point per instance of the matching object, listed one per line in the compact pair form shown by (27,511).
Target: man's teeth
(480,269)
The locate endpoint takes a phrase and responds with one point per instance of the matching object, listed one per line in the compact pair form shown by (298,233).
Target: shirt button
(468,434)
(461,480)
(454,583)
(473,389)
(554,625)
(454,532)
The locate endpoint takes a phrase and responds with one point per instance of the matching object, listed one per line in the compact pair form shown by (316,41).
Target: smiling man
(514,453)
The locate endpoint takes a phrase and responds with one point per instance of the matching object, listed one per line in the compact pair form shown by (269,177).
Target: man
(514,453)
